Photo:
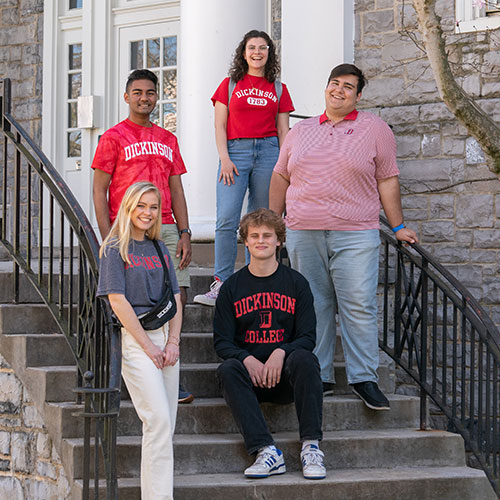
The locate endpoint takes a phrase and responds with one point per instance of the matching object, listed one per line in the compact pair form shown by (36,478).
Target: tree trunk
(478,123)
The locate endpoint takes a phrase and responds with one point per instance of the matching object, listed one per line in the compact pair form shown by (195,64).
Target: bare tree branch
(477,122)
(428,189)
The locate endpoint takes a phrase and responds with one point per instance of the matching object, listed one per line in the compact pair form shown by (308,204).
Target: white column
(316,36)
(210,32)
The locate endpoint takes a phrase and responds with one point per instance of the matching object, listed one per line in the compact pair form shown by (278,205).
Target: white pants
(154,394)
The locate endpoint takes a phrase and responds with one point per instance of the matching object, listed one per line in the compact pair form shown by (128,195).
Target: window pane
(75,4)
(74,85)
(74,143)
(153,53)
(169,116)
(170,84)
(136,55)
(170,51)
(75,56)
(154,115)
(72,115)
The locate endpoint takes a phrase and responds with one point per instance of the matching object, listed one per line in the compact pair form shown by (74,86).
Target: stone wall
(21,33)
(449,195)
(30,467)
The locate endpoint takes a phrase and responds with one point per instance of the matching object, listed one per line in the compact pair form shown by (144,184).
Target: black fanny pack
(166,307)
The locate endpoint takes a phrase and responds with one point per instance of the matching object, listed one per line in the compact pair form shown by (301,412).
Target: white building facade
(90,47)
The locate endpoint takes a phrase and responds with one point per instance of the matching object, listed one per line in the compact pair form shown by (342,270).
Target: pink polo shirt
(333,171)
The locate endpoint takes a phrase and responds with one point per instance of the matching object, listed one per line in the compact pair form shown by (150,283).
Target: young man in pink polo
(333,173)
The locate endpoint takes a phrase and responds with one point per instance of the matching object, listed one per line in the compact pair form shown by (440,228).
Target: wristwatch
(186,230)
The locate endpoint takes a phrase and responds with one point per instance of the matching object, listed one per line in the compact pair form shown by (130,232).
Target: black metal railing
(437,332)
(53,247)
(432,326)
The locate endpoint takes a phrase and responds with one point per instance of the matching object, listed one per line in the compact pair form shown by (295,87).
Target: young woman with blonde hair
(132,278)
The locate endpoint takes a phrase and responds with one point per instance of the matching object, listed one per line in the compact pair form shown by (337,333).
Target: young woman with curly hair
(251,123)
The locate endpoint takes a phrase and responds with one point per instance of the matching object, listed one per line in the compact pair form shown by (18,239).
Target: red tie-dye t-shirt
(131,153)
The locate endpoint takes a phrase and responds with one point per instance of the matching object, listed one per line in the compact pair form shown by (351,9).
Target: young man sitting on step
(265,331)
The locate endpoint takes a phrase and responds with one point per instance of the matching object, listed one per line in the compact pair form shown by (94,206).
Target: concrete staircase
(369,455)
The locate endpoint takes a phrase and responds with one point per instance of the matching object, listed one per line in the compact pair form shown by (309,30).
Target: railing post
(397,303)
(423,345)
(88,377)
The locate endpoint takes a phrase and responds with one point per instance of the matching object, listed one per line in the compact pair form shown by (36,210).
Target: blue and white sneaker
(267,463)
(312,462)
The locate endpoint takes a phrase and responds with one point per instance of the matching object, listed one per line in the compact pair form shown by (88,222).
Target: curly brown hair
(263,217)
(239,67)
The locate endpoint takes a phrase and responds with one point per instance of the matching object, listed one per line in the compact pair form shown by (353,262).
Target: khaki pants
(154,394)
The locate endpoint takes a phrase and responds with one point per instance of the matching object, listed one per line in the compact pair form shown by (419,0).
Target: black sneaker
(185,396)
(371,395)
(328,388)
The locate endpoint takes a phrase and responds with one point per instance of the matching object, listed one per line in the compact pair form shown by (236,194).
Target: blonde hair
(121,230)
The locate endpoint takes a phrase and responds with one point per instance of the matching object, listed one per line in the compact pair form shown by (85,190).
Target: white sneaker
(209,298)
(312,462)
(267,463)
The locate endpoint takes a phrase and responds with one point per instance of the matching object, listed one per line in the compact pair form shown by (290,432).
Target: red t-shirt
(253,107)
(131,153)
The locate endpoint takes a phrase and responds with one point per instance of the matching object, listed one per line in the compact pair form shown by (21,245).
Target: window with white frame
(476,15)
(73,134)
(160,56)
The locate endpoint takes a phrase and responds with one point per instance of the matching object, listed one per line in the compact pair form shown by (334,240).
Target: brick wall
(21,32)
(449,195)
(29,464)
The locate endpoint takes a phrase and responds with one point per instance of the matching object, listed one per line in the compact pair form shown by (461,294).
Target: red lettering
(276,300)
(136,261)
(267,300)
(250,337)
(156,260)
(237,308)
(279,334)
(249,306)
(256,301)
(283,303)
(272,336)
(291,305)
(166,260)
(148,263)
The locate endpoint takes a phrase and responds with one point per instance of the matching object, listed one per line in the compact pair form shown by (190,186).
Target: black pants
(300,382)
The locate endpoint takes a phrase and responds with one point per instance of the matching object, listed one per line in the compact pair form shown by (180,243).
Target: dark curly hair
(239,66)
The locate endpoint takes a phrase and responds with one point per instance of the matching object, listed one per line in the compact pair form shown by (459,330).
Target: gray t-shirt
(141,281)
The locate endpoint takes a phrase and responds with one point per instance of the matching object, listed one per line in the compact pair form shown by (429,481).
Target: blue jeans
(342,264)
(255,160)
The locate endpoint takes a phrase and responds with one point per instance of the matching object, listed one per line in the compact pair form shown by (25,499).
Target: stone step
(36,349)
(199,348)
(26,318)
(200,379)
(198,318)
(206,416)
(410,483)
(223,453)
(53,383)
